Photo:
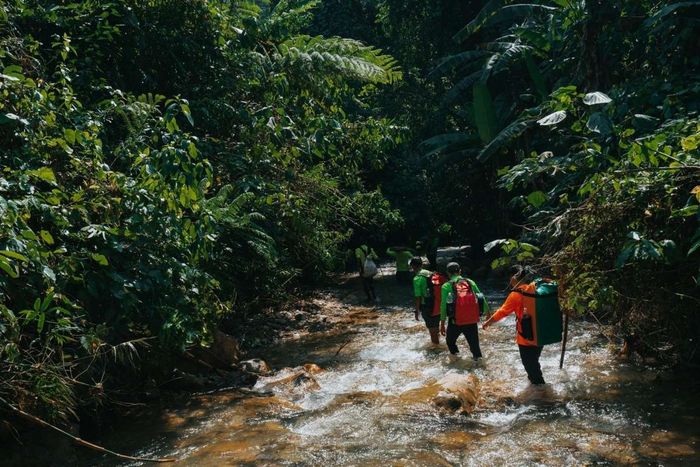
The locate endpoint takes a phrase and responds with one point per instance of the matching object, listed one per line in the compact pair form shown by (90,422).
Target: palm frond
(510,53)
(505,137)
(497,11)
(451,141)
(461,88)
(456,61)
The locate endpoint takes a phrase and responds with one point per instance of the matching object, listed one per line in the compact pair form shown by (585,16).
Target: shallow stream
(366,406)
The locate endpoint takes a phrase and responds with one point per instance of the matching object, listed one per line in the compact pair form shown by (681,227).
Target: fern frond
(345,56)
(292,15)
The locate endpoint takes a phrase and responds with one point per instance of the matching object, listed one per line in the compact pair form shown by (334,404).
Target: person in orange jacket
(529,351)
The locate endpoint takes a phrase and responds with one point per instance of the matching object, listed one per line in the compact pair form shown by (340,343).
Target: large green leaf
(462,87)
(536,198)
(596,98)
(505,138)
(445,141)
(484,112)
(600,123)
(496,11)
(535,75)
(553,118)
(509,54)
(44,173)
(451,62)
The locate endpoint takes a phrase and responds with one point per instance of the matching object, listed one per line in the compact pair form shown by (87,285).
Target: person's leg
(530,356)
(434,335)
(366,287)
(471,332)
(432,323)
(451,338)
(370,283)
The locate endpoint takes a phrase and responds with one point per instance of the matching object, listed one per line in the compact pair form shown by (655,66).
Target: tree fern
(338,55)
(291,16)
(239,226)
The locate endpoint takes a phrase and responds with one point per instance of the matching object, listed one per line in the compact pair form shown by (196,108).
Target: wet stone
(255,366)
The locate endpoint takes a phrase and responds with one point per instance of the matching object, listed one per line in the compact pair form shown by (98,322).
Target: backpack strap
(534,295)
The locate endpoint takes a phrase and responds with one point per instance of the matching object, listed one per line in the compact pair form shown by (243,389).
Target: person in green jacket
(424,299)
(362,253)
(402,255)
(465,318)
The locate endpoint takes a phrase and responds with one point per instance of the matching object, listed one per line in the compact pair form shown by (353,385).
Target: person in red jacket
(529,351)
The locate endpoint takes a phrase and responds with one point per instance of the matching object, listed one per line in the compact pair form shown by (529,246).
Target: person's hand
(486,324)
(442,328)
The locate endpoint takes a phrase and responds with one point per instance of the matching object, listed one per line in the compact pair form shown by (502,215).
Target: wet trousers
(530,356)
(470,331)
(368,286)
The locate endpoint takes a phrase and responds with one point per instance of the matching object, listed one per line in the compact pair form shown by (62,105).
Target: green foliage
(601,151)
(167,167)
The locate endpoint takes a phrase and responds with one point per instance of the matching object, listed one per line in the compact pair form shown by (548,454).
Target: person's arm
(418,294)
(511,305)
(358,257)
(444,292)
(391,252)
(373,254)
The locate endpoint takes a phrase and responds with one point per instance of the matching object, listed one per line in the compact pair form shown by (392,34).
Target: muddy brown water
(595,411)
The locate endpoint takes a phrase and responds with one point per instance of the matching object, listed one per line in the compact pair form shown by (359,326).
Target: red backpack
(435,282)
(465,307)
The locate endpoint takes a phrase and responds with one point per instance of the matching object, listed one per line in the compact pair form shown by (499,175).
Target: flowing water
(368,406)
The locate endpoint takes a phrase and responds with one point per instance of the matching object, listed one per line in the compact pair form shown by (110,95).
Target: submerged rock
(313,368)
(458,393)
(293,380)
(454,392)
(255,366)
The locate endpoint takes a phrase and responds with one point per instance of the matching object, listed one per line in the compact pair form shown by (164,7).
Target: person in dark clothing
(362,254)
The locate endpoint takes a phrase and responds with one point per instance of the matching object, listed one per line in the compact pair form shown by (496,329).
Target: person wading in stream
(366,258)
(530,344)
(427,298)
(461,305)
(402,255)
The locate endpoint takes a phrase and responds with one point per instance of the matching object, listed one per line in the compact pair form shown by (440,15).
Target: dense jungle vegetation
(173,166)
